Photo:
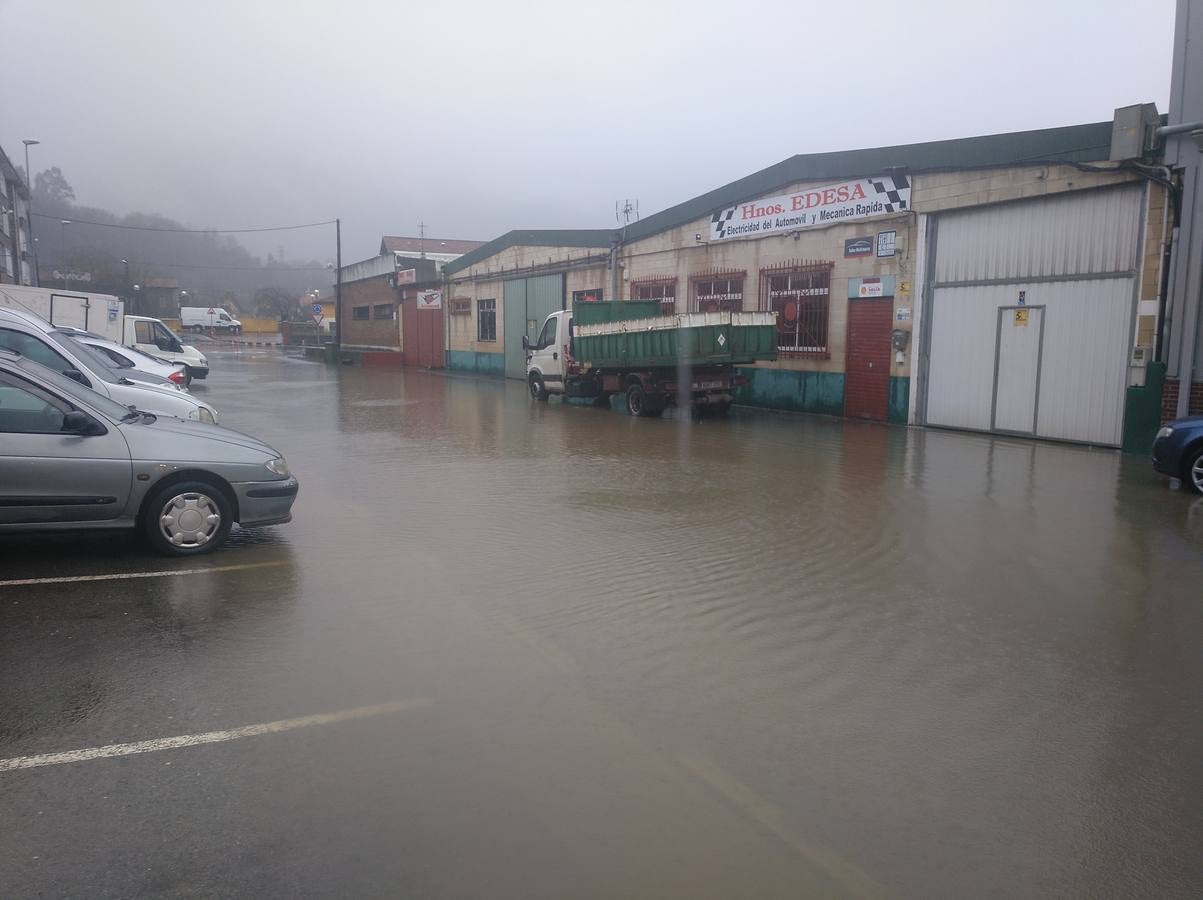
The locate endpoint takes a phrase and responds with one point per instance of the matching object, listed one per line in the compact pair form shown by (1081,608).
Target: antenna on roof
(623,216)
(422,239)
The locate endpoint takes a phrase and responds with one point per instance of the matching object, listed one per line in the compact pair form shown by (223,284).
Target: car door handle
(555,356)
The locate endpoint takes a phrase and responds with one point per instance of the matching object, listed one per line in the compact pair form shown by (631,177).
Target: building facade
(16,245)
(1008,283)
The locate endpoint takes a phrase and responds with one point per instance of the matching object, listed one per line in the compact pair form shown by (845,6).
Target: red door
(867,366)
(430,338)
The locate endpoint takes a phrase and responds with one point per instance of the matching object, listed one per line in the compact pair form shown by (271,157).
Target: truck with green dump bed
(630,347)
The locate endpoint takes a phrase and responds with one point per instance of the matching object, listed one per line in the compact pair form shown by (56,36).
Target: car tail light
(177,377)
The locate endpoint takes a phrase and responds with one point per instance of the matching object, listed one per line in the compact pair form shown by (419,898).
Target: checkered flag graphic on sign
(888,189)
(720,219)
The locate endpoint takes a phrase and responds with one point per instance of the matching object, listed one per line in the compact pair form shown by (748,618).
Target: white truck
(104,314)
(208,318)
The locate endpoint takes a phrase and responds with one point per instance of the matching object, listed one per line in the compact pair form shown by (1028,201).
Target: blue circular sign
(317,309)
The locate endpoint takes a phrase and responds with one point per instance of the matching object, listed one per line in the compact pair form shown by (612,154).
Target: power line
(184,230)
(271,269)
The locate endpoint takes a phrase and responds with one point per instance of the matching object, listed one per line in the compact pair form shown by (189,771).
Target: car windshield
(73,389)
(96,364)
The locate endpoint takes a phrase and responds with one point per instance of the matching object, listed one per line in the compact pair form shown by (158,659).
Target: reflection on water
(968,665)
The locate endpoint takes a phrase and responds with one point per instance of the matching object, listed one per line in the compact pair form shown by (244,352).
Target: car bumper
(1166,459)
(200,373)
(266,502)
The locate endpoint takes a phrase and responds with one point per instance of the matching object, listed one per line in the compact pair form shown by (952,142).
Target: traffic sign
(317,309)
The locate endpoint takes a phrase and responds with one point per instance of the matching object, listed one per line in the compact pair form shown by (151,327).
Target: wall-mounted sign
(886,241)
(114,310)
(407,276)
(1021,316)
(858,246)
(904,288)
(903,314)
(430,299)
(71,276)
(1023,298)
(870,287)
(813,207)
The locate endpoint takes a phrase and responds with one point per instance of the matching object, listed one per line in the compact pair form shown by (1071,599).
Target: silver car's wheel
(190,520)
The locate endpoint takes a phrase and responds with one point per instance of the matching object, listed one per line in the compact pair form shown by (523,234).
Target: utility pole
(338,285)
(33,241)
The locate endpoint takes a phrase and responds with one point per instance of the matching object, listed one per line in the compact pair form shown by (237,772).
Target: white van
(153,337)
(208,318)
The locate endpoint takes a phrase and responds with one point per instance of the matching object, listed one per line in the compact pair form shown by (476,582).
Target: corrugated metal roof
(396,244)
(569,237)
(1073,143)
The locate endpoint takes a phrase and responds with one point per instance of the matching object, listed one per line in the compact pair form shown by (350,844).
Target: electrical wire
(184,230)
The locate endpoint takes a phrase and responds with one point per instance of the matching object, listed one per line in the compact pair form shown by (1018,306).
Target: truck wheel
(640,404)
(538,390)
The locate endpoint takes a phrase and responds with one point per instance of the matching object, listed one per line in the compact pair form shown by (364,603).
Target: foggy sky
(481,117)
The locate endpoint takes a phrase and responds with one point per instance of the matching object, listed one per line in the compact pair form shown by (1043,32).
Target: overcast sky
(481,117)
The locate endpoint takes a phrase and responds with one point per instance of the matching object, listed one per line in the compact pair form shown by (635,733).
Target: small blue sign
(317,309)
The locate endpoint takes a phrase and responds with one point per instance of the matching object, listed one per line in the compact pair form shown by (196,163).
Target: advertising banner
(430,299)
(860,198)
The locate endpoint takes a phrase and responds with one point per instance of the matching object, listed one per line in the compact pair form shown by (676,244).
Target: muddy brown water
(771,655)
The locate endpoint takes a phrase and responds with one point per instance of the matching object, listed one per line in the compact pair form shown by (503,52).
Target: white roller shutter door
(1075,257)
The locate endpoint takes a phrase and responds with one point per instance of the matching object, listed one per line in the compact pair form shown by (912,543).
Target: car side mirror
(76,422)
(525,342)
(76,375)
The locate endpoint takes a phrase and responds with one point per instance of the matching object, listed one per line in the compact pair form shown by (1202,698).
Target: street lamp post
(37,278)
(125,285)
(63,223)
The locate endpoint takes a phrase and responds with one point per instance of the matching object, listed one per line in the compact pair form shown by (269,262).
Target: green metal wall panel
(900,399)
(514,312)
(816,392)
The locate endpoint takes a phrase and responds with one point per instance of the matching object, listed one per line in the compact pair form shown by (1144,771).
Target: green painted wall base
(480,363)
(816,392)
(1142,411)
(899,406)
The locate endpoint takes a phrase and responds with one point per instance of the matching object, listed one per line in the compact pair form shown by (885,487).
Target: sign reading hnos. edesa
(861,198)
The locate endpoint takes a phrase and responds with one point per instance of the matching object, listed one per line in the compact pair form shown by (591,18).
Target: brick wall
(370,332)
(1169,399)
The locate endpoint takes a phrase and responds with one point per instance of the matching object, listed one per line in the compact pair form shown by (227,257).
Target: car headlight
(1164,432)
(278,466)
(205,416)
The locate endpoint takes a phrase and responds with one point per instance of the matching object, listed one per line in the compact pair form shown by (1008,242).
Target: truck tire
(640,404)
(538,390)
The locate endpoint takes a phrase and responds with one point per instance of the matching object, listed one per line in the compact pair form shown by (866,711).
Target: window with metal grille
(383,311)
(719,294)
(664,291)
(801,298)
(461,306)
(593,296)
(360,313)
(486,320)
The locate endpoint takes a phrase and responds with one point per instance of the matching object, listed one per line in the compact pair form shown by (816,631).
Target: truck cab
(548,357)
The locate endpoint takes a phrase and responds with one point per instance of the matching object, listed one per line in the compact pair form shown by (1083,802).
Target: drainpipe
(615,245)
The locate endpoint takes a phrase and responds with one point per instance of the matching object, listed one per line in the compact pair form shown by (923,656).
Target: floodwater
(765,656)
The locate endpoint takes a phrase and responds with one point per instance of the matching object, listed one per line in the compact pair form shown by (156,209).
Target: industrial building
(1008,283)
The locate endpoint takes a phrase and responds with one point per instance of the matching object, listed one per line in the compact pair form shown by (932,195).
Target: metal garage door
(1029,315)
(527,302)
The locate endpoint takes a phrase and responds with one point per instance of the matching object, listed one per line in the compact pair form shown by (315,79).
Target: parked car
(129,358)
(37,339)
(72,458)
(1178,452)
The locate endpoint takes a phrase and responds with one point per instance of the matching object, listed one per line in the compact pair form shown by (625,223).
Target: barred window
(384,311)
(801,298)
(461,306)
(664,291)
(486,320)
(719,294)
(358,313)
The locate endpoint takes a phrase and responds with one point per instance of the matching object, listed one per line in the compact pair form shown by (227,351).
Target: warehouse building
(1007,283)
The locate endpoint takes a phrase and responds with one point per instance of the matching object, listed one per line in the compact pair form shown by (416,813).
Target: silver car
(72,458)
(129,358)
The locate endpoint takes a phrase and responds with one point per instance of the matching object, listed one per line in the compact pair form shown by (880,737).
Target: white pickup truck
(104,314)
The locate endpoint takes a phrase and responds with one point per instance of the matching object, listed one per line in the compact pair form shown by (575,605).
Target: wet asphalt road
(772,656)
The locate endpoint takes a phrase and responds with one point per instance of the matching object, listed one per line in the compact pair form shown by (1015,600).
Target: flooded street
(765,656)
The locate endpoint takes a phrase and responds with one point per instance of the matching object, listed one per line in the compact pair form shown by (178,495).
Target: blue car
(1178,451)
